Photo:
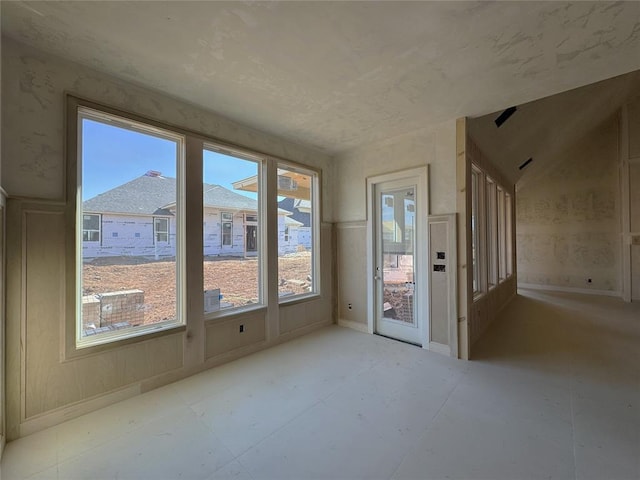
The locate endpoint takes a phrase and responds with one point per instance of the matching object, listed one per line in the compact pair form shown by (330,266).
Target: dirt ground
(237,279)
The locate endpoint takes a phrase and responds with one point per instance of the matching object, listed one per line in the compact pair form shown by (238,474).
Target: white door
(398,289)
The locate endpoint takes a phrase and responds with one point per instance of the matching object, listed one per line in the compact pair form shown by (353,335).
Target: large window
(231,229)
(297,232)
(475,229)
(132,230)
(129,207)
(509,234)
(492,234)
(502,236)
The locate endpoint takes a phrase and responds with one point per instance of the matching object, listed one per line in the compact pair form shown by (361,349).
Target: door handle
(376,276)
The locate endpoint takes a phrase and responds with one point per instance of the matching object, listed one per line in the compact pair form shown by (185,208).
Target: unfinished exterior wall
(129,235)
(568,219)
(297,238)
(212,231)
(132,235)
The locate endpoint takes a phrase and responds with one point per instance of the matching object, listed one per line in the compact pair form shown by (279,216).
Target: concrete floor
(553,393)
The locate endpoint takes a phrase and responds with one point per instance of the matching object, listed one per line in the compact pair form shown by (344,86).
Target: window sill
(113,341)
(233,312)
(292,300)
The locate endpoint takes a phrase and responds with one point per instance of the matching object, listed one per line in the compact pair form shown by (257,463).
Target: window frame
(315,212)
(492,232)
(224,221)
(99,215)
(268,166)
(476,178)
(502,236)
(75,343)
(509,233)
(495,260)
(260,223)
(157,232)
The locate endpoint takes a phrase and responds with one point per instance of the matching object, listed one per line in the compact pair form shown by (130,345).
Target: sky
(112,156)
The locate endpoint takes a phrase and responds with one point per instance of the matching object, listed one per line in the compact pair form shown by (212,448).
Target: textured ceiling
(339,75)
(544,128)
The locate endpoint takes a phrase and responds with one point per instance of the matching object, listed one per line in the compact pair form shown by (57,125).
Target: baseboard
(299,332)
(62,414)
(360,327)
(230,356)
(68,412)
(554,288)
(440,348)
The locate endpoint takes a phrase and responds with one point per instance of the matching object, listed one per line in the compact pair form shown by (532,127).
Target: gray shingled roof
(217,196)
(147,195)
(292,205)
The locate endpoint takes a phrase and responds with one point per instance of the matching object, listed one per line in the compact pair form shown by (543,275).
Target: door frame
(450,220)
(419,176)
(252,251)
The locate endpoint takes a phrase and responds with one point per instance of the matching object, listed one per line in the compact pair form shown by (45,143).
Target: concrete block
(90,311)
(124,306)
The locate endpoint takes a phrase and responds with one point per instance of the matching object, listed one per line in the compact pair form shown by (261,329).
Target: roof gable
(144,195)
(221,197)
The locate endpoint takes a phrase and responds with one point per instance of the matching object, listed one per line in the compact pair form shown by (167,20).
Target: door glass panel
(398,238)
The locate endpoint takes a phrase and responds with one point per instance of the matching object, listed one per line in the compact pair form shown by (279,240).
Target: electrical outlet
(350,307)
(241,328)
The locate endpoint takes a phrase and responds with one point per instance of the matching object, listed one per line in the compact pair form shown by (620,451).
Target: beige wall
(2,286)
(2,324)
(44,387)
(434,147)
(2,283)
(630,168)
(569,218)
